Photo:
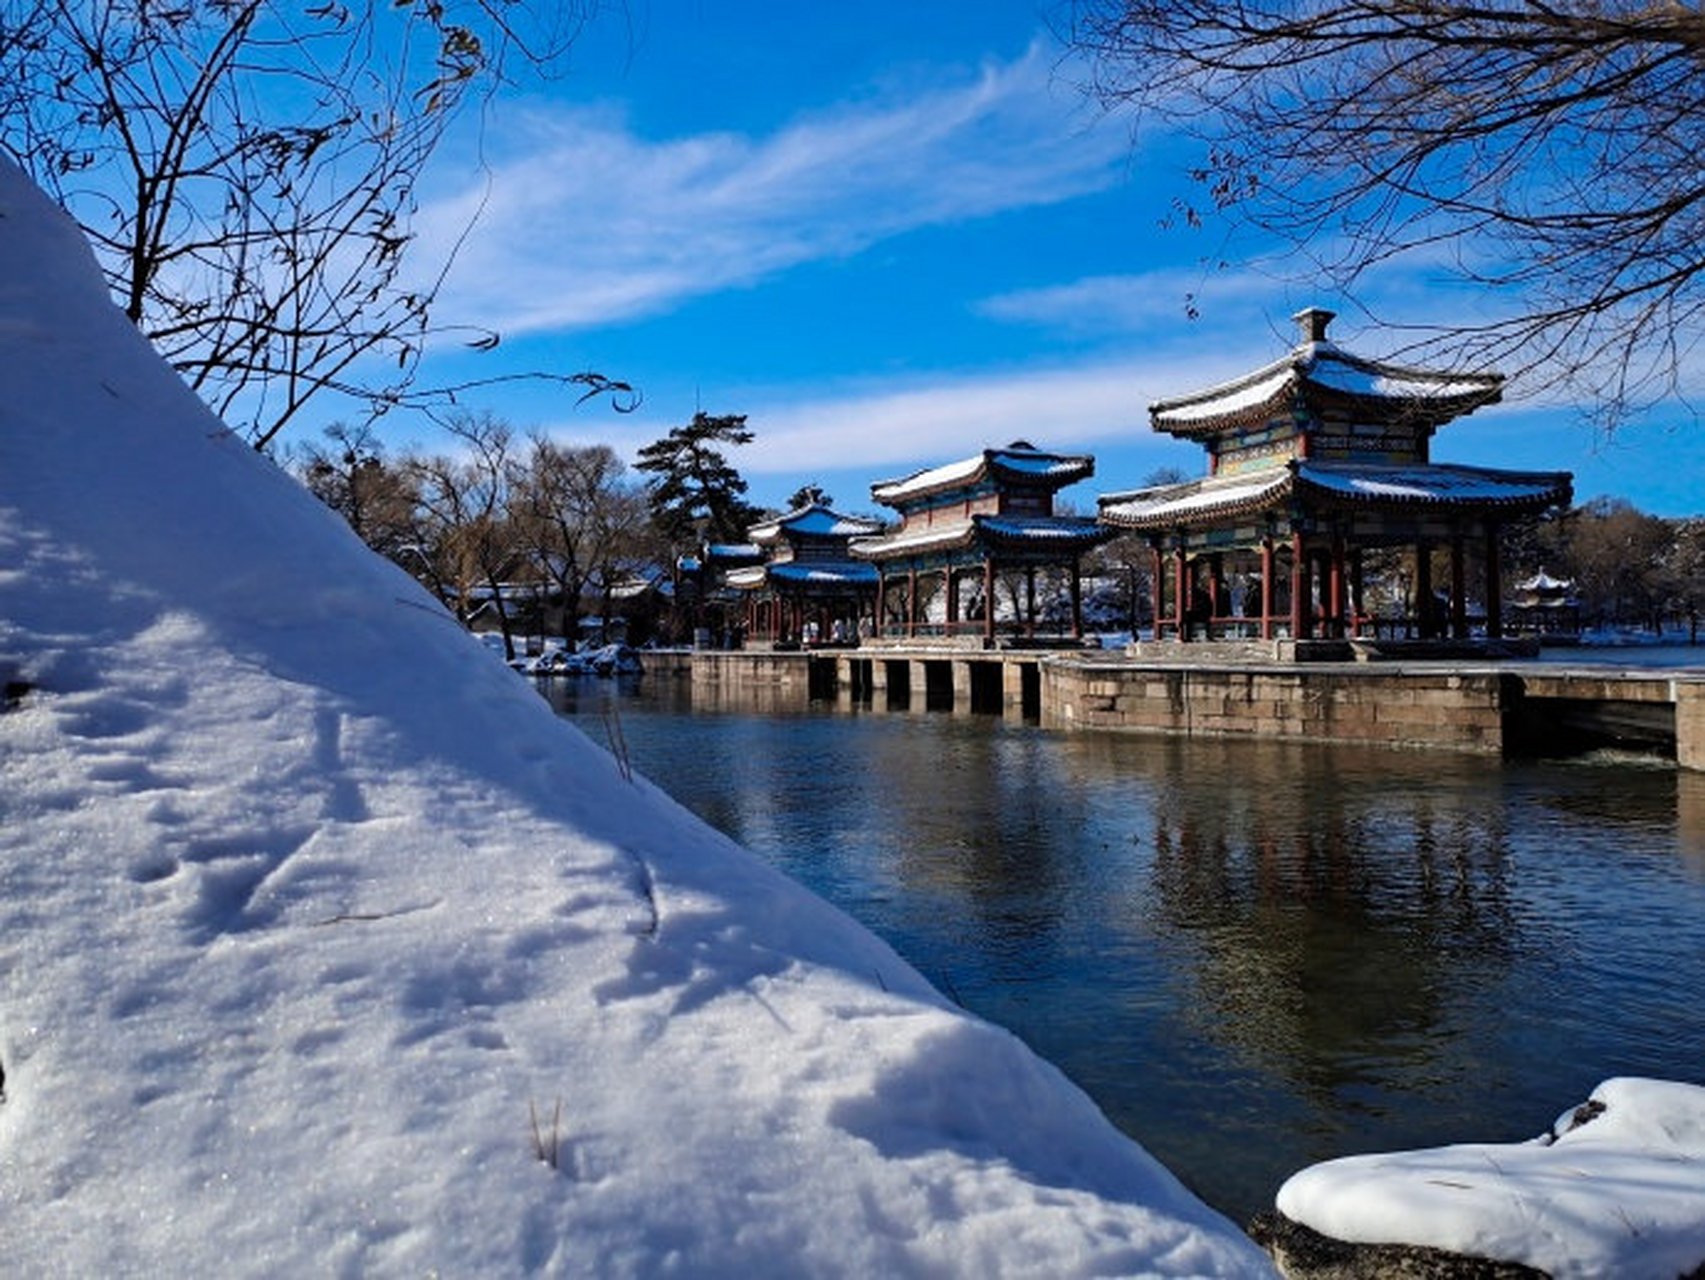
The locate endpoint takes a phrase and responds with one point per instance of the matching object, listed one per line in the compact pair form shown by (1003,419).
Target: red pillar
(1216,587)
(1077,602)
(1157,604)
(1494,586)
(952,601)
(911,603)
(1335,589)
(1266,588)
(1458,591)
(989,599)
(1299,587)
(1181,591)
(1424,610)
(1356,596)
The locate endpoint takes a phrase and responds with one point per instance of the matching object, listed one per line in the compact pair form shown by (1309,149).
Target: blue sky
(891,234)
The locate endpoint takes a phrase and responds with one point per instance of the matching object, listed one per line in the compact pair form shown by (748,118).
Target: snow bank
(1616,1188)
(325,948)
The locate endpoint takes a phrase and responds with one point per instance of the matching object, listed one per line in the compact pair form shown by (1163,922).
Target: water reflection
(1253,955)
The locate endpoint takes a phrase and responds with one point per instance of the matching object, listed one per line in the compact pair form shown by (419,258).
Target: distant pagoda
(965,525)
(807,588)
(1313,459)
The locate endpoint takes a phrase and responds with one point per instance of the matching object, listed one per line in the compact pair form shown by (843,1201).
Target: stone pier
(1484,708)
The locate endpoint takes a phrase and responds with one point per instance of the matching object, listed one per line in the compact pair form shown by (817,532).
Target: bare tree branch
(1551,147)
(246,172)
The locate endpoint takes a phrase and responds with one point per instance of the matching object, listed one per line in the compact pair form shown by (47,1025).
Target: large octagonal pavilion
(1312,460)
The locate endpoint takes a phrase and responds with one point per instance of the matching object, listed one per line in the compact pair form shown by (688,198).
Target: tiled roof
(732,552)
(1325,368)
(1218,498)
(1437,483)
(816,520)
(805,573)
(1018,460)
(824,572)
(1058,531)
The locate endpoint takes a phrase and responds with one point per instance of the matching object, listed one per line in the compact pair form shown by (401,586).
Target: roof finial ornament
(1312,322)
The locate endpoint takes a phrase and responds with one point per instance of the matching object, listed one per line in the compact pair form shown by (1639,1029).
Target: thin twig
(547,1152)
(618,740)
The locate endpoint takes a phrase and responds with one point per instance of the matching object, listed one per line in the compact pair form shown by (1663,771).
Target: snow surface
(317,927)
(1616,1188)
(816,521)
(1226,398)
(1425,482)
(1327,365)
(1330,367)
(1193,496)
(1024,461)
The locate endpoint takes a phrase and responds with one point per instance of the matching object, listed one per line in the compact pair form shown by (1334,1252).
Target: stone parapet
(1455,710)
(751,667)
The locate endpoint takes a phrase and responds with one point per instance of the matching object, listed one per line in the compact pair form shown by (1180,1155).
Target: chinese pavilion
(1312,460)
(965,526)
(808,587)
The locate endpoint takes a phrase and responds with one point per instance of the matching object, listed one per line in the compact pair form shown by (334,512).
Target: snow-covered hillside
(317,928)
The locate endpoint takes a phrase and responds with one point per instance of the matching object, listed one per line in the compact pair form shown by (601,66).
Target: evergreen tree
(696,494)
(808,495)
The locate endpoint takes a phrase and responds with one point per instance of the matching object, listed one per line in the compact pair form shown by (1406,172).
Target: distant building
(967,527)
(1312,460)
(805,587)
(1546,606)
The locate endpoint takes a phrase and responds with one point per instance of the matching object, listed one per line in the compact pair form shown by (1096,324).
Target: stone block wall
(1690,724)
(751,668)
(1455,710)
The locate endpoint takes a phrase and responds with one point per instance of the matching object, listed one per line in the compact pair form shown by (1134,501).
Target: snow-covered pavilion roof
(1019,461)
(1543,581)
(1060,532)
(814,520)
(824,573)
(729,553)
(1319,371)
(805,573)
(1419,484)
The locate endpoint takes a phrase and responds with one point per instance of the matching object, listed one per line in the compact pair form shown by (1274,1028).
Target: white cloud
(891,431)
(585,223)
(1139,304)
(1072,404)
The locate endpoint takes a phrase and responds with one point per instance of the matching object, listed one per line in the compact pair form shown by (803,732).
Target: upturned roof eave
(1192,505)
(1063,535)
(1239,500)
(1543,489)
(933,481)
(1299,375)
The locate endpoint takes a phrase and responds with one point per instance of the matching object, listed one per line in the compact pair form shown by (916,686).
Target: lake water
(1252,955)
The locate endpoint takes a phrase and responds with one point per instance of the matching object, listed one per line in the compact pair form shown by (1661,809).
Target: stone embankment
(1482,707)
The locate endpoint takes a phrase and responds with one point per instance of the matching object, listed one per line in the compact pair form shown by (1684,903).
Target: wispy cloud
(1409,306)
(585,223)
(1136,304)
(1075,403)
(886,430)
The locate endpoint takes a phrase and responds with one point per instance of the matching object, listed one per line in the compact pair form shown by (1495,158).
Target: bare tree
(1617,556)
(576,514)
(352,476)
(622,542)
(1549,151)
(246,172)
(469,546)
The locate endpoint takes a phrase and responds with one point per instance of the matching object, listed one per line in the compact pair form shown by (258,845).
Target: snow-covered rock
(326,949)
(1615,1188)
